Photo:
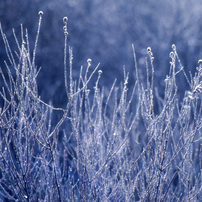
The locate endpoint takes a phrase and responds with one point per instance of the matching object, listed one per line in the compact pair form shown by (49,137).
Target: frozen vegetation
(129,144)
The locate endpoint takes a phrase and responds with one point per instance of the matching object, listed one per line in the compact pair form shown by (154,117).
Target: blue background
(104,31)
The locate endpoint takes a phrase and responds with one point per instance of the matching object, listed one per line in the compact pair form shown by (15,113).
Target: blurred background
(104,31)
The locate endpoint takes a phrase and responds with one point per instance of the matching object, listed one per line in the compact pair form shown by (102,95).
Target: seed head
(200,62)
(65,19)
(171,54)
(40,13)
(148,50)
(174,47)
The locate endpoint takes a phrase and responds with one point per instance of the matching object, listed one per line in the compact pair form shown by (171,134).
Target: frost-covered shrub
(131,145)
